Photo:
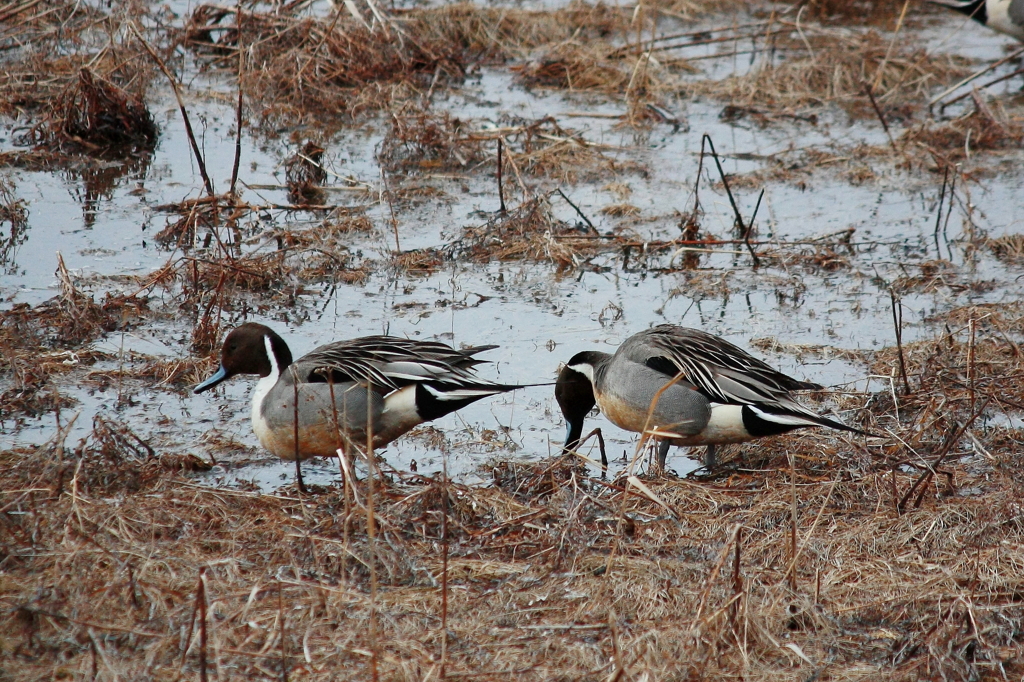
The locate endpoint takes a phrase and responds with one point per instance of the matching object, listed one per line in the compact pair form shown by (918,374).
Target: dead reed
(812,65)
(879,592)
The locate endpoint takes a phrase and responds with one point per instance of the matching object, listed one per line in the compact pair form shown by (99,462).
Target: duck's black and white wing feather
(725,374)
(390,363)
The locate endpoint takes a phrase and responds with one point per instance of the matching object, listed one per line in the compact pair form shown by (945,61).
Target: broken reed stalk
(792,526)
(201,604)
(295,430)
(970,362)
(281,630)
(444,565)
(741,226)
(930,470)
(578,211)
(892,43)
(807,536)
(600,441)
(386,194)
(371,530)
(501,190)
(238,107)
(938,214)
(645,435)
(897,321)
(881,117)
(345,482)
(200,162)
(976,74)
(987,84)
(709,581)
(187,642)
(613,625)
(737,584)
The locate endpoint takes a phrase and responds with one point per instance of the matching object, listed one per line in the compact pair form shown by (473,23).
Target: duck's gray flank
(382,386)
(721,394)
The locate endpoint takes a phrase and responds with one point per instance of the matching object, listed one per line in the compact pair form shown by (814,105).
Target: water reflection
(13,225)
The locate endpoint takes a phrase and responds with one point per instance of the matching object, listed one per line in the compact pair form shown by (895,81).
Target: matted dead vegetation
(811,558)
(819,65)
(349,63)
(986,128)
(429,143)
(978,362)
(48,43)
(770,572)
(95,115)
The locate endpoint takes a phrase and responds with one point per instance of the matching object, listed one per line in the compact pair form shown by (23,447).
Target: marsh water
(797,314)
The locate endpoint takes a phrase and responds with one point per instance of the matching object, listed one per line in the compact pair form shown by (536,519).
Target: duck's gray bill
(220,376)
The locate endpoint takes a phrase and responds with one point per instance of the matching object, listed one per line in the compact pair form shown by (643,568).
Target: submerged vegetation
(807,556)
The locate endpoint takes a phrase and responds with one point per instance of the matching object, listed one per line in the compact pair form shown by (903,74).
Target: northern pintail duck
(1005,16)
(723,394)
(392,384)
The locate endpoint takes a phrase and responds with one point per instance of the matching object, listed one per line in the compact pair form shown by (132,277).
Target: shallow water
(540,317)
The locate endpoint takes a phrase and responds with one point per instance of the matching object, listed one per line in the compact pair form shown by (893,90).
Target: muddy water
(539,316)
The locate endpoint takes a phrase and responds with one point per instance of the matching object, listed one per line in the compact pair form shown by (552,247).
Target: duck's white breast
(259,422)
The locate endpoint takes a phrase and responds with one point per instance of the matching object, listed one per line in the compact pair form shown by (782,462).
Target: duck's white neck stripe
(263,387)
(275,371)
(584,368)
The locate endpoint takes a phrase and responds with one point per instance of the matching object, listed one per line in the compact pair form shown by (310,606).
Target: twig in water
(938,215)
(750,228)
(897,321)
(741,227)
(387,193)
(501,189)
(949,213)
(696,183)
(200,162)
(881,117)
(238,109)
(578,211)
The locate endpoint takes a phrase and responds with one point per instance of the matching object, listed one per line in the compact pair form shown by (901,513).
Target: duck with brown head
(1005,16)
(688,386)
(346,393)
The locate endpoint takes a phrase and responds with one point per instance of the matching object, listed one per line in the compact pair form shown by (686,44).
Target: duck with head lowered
(1005,16)
(687,387)
(343,394)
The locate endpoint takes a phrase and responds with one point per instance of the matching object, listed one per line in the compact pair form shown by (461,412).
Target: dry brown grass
(988,127)
(1009,248)
(977,360)
(429,143)
(550,574)
(340,66)
(47,44)
(835,66)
